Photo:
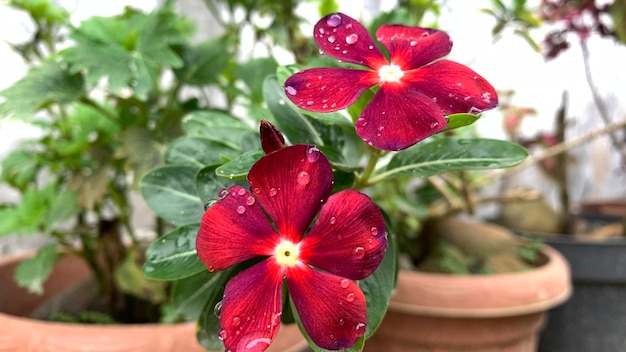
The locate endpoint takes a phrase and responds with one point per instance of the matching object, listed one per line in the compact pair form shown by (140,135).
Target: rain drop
(310,102)
(350,297)
(218,309)
(344,283)
(333,220)
(333,20)
(352,39)
(211,268)
(236,321)
(273,191)
(413,43)
(209,204)
(360,326)
(374,231)
(241,209)
(321,30)
(222,335)
(304,178)
(313,154)
(434,125)
(276,319)
(331,39)
(359,252)
(241,192)
(291,90)
(256,190)
(250,200)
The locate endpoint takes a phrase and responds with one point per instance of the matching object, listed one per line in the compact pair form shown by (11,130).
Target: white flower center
(390,73)
(287,253)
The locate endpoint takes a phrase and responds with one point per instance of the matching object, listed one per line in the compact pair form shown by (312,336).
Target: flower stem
(362,181)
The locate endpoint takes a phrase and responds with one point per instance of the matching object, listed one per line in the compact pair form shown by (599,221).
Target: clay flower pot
(20,333)
(477,313)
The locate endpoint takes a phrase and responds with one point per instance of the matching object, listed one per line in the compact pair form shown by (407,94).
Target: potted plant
(288,228)
(107,97)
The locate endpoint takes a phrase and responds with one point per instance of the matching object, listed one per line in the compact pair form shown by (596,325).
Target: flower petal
(413,47)
(271,138)
(328,89)
(252,307)
(345,39)
(291,184)
(349,237)
(455,87)
(398,117)
(233,230)
(332,309)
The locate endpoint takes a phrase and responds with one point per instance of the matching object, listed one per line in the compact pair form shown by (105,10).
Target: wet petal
(345,39)
(349,237)
(413,47)
(455,87)
(398,117)
(291,184)
(332,309)
(271,138)
(328,89)
(252,307)
(233,230)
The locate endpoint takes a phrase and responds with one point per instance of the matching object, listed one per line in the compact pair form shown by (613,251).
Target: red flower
(415,90)
(291,186)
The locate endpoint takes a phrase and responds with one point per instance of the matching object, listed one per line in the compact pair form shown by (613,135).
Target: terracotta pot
(478,313)
(19,333)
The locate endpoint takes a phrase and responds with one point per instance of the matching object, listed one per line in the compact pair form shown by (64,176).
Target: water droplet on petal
(344,283)
(333,220)
(211,268)
(359,252)
(360,326)
(374,231)
(276,319)
(223,193)
(434,125)
(350,297)
(413,43)
(236,321)
(222,335)
(273,191)
(256,190)
(241,209)
(321,30)
(313,154)
(304,178)
(331,39)
(352,39)
(241,192)
(333,20)
(218,309)
(310,102)
(291,90)
(250,200)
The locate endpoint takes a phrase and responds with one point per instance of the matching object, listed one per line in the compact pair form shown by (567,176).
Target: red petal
(291,184)
(345,39)
(397,118)
(233,230)
(252,307)
(454,87)
(328,89)
(332,309)
(348,239)
(413,47)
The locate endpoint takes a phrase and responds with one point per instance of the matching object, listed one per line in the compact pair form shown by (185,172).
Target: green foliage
(33,272)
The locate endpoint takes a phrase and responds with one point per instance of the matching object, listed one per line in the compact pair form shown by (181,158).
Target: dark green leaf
(33,272)
(174,255)
(209,184)
(198,152)
(48,83)
(253,73)
(238,168)
(446,154)
(294,125)
(171,192)
(209,322)
(190,295)
(216,125)
(204,63)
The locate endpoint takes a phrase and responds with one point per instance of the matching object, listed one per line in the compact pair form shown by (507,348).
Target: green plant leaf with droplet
(171,192)
(209,184)
(174,255)
(447,154)
(238,168)
(209,322)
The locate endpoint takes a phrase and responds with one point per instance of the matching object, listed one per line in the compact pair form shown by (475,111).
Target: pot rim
(482,296)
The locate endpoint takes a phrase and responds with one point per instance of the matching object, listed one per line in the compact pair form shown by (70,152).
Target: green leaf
(359,105)
(174,255)
(217,126)
(139,150)
(190,295)
(253,74)
(170,191)
(327,7)
(130,279)
(9,221)
(209,322)
(294,125)
(204,63)
(33,272)
(238,168)
(378,288)
(446,154)
(209,184)
(63,206)
(198,152)
(46,84)
(460,120)
(19,168)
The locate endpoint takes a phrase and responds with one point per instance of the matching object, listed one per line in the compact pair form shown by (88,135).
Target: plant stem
(362,181)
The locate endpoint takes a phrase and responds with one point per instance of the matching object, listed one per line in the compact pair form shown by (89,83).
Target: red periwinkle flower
(290,187)
(415,88)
